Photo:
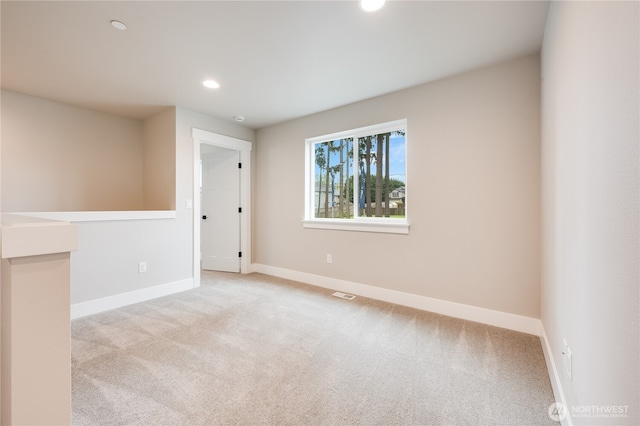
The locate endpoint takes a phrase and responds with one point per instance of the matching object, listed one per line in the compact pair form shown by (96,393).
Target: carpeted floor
(257,350)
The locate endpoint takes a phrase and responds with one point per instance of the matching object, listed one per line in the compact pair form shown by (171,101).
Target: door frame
(244,148)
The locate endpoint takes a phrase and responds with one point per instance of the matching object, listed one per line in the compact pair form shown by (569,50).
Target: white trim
(91,307)
(389,126)
(356,225)
(244,147)
(221,141)
(103,216)
(458,310)
(554,376)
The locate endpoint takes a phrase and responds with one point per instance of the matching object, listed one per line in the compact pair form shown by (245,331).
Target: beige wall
(591,234)
(473,180)
(106,264)
(62,158)
(1,347)
(159,179)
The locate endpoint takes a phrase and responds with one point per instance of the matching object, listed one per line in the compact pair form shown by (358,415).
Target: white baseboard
(91,307)
(467,312)
(554,376)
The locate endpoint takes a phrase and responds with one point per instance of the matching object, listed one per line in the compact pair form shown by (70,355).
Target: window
(356,179)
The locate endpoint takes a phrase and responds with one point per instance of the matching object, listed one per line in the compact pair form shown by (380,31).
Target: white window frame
(358,223)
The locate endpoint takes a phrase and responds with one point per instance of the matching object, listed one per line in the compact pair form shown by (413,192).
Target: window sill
(358,226)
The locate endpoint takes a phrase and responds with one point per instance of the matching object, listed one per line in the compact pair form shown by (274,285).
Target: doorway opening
(220,153)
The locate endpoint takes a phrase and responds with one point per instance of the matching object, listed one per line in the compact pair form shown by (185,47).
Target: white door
(220,216)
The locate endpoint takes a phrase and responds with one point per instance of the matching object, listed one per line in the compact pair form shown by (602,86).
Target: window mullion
(356,177)
(309,179)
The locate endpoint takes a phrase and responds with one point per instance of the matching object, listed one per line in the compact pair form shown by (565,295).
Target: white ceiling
(274,60)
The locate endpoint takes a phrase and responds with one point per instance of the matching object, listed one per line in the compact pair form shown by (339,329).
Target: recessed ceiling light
(211,84)
(239,118)
(371,5)
(118,25)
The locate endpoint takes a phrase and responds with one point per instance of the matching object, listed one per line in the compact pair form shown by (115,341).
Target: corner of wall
(554,377)
(159,161)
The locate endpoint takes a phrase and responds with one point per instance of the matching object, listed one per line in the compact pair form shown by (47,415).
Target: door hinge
(239,209)
(239,165)
(239,254)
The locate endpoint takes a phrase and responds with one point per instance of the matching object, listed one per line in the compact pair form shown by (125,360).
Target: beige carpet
(256,350)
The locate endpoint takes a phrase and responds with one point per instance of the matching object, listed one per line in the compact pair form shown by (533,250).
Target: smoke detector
(118,25)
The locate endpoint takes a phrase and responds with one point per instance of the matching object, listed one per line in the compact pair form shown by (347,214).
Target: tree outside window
(359,174)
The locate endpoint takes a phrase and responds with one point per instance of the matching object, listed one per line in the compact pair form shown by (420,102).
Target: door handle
(204,217)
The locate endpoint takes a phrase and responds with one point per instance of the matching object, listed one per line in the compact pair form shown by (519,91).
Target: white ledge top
(103,216)
(28,236)
(16,220)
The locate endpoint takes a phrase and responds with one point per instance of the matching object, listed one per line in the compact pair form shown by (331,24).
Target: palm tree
(326,181)
(347,188)
(367,179)
(321,162)
(386,173)
(340,178)
(379,160)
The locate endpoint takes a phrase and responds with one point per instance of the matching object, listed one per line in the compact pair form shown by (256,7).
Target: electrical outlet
(329,258)
(142,267)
